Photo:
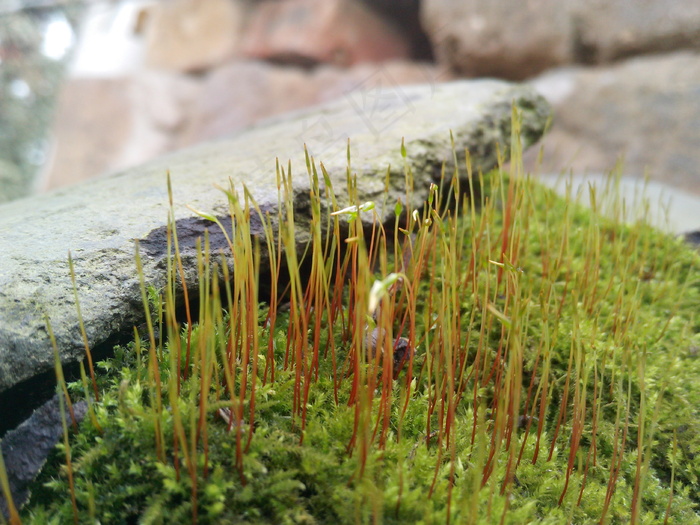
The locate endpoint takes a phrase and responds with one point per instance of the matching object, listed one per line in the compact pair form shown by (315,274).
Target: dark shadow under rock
(26,448)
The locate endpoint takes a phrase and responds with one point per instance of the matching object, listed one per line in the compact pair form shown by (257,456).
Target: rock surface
(514,39)
(99,220)
(644,111)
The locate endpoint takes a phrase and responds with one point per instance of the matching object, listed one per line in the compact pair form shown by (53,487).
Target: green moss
(550,369)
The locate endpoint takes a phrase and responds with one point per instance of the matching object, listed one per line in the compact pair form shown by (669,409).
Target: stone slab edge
(99,220)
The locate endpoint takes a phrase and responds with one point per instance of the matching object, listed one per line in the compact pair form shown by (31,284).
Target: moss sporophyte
(502,355)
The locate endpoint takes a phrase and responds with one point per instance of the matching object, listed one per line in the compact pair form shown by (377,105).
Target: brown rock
(307,32)
(405,15)
(515,39)
(507,38)
(193,35)
(644,111)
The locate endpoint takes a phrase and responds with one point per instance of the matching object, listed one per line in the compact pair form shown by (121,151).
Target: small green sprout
(354,211)
(507,266)
(380,288)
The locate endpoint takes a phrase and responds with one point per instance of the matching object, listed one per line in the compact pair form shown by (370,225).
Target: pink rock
(87,141)
(333,82)
(193,35)
(340,32)
(243,93)
(109,124)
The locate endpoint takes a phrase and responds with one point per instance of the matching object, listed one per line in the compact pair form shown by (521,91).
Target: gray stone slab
(99,220)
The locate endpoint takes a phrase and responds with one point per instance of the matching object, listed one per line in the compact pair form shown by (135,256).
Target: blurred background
(36,39)
(89,87)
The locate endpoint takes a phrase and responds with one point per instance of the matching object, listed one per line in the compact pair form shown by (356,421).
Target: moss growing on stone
(554,378)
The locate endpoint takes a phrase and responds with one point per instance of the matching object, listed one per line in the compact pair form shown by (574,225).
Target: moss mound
(554,379)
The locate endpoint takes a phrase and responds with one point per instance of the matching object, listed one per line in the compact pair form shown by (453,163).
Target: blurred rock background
(147,77)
